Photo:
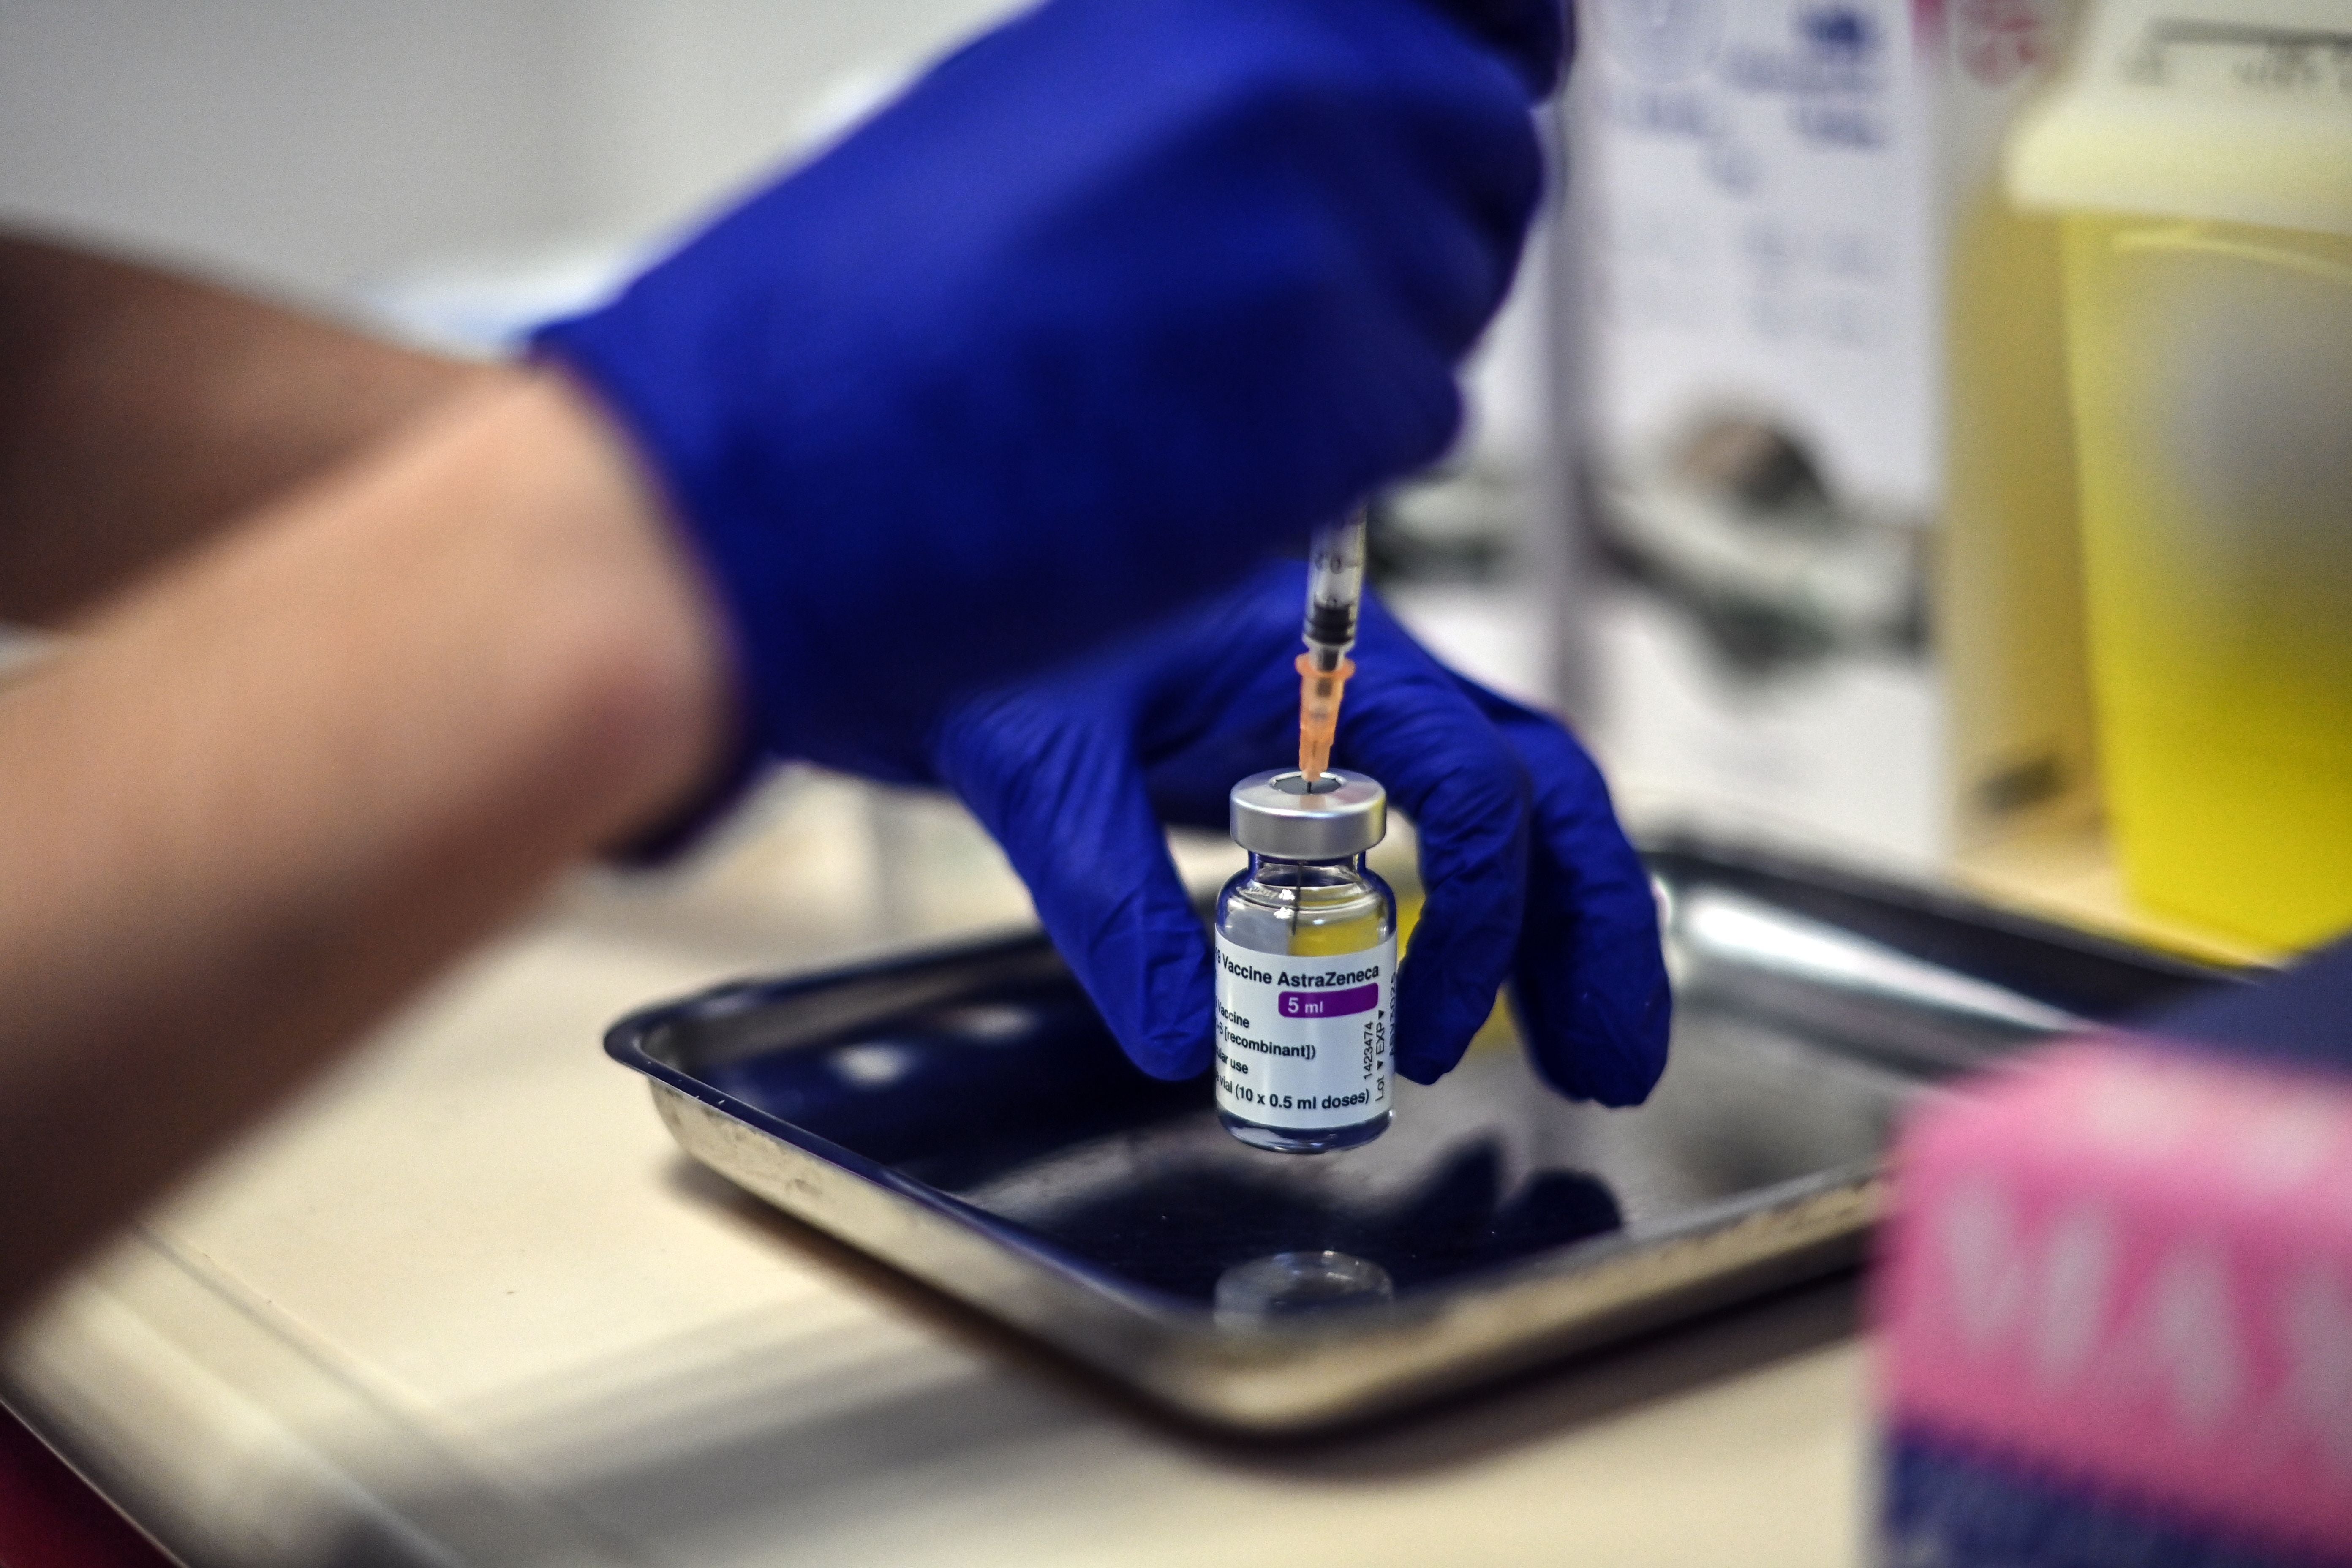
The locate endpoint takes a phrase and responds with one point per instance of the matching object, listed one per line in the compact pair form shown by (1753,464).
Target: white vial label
(1305,1042)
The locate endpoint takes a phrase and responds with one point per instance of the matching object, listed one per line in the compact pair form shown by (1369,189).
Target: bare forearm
(263,799)
(139,412)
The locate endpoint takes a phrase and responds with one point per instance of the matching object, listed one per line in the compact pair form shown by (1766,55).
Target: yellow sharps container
(2203,165)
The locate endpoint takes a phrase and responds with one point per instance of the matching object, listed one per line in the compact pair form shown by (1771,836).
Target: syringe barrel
(1335,586)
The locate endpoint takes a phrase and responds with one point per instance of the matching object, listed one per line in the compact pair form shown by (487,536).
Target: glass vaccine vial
(1306,952)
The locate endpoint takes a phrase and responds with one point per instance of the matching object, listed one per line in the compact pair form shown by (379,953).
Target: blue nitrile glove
(1529,876)
(1108,305)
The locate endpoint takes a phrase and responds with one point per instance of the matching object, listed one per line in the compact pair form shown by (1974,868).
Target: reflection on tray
(954,1096)
(1457,1218)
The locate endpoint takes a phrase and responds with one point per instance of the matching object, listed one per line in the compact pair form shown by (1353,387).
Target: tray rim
(1174,1351)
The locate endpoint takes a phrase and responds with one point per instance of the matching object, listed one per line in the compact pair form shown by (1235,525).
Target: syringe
(1335,585)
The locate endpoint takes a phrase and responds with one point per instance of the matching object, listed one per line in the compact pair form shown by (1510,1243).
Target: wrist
(634,627)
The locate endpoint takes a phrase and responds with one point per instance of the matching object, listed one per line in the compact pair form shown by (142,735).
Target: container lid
(2221,110)
(1275,814)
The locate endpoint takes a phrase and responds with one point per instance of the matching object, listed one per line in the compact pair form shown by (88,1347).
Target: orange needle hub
(1319,691)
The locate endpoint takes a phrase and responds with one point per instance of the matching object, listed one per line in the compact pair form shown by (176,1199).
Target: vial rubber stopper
(1280,813)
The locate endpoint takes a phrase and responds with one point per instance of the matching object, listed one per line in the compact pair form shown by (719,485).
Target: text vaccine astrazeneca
(1307,953)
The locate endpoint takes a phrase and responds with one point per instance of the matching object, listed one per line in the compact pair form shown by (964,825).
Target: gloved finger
(1061,791)
(1228,706)
(1591,979)
(1319,329)
(1474,116)
(1448,109)
(1390,312)
(1534,36)
(1449,769)
(1445,263)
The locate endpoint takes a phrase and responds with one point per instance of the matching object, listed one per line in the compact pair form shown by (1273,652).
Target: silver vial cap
(1275,814)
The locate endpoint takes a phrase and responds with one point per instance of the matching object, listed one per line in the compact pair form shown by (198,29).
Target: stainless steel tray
(965,1116)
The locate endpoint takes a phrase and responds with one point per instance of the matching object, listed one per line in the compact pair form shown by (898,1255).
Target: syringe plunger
(1335,586)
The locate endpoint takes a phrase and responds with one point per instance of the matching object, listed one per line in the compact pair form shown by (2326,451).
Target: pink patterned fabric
(2130,1268)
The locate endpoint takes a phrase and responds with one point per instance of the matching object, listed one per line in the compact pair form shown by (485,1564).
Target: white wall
(318,146)
(681,100)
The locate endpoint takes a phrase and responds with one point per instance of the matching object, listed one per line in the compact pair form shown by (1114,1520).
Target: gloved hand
(1528,875)
(1109,304)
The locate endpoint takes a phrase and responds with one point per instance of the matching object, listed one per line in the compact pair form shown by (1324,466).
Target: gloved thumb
(1059,788)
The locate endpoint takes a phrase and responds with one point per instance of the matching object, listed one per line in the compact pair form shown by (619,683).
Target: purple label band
(1328,1004)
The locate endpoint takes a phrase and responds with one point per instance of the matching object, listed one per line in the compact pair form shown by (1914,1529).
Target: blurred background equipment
(1819,400)
(2201,155)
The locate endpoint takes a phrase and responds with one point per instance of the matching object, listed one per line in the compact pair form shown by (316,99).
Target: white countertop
(465,1302)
